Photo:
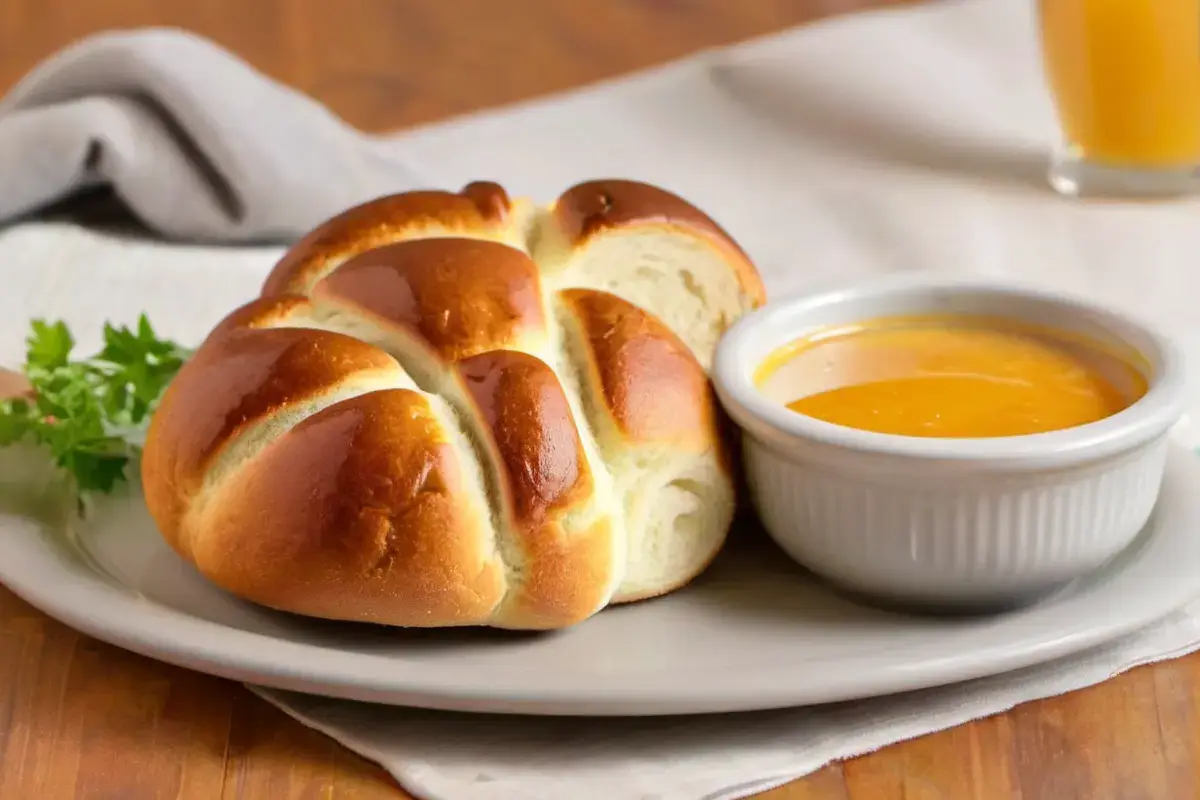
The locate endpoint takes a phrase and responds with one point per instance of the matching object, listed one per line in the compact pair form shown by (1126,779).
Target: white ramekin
(949,521)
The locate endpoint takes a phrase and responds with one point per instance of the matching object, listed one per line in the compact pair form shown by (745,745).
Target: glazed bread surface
(451,409)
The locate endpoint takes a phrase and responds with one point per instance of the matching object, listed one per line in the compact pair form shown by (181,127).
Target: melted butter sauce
(948,377)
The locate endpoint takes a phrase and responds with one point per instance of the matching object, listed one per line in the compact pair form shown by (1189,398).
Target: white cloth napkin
(196,143)
(900,140)
(440,756)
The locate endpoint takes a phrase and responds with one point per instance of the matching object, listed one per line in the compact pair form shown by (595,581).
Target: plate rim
(92,605)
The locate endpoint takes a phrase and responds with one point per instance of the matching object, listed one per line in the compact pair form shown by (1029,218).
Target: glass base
(1073,176)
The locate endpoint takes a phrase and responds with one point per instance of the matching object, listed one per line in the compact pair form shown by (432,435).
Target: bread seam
(437,379)
(562,269)
(244,446)
(486,473)
(568,371)
(562,522)
(515,235)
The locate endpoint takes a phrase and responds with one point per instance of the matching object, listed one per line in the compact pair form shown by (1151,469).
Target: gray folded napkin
(196,143)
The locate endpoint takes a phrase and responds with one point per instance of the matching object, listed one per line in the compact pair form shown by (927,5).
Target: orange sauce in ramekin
(956,377)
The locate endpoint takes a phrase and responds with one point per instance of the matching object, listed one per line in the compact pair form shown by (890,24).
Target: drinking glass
(1125,79)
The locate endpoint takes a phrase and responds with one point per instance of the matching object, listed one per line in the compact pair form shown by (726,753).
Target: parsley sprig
(90,413)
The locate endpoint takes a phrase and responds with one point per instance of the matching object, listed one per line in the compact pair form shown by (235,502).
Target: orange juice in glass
(1125,78)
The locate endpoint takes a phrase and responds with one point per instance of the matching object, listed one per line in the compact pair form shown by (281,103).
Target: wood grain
(80,719)
(385,64)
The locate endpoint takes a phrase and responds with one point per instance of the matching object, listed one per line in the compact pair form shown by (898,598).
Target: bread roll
(459,409)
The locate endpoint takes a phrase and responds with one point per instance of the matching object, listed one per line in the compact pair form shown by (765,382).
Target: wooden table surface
(80,719)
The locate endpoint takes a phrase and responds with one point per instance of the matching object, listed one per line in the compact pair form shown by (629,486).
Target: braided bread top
(460,409)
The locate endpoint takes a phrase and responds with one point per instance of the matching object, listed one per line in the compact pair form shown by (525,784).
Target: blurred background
(385,64)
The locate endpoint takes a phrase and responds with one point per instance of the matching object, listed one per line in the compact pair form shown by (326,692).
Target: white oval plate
(754,632)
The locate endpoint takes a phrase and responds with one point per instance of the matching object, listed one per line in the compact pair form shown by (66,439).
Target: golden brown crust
(462,296)
(233,382)
(262,312)
(571,578)
(369,509)
(652,384)
(480,209)
(359,512)
(522,404)
(544,476)
(590,208)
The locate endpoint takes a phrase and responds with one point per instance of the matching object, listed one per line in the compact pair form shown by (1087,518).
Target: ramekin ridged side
(949,521)
(973,538)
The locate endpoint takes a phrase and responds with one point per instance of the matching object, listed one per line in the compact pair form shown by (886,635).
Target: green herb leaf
(90,413)
(48,346)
